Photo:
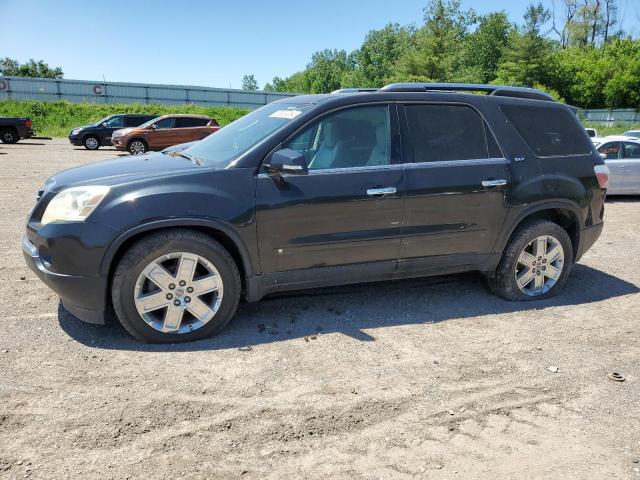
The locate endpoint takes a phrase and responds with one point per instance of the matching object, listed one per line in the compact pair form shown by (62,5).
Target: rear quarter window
(548,131)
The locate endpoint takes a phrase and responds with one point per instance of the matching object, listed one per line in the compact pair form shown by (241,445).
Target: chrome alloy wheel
(91,143)
(137,147)
(178,292)
(539,265)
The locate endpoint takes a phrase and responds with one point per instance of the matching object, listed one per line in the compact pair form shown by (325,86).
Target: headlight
(74,204)
(75,131)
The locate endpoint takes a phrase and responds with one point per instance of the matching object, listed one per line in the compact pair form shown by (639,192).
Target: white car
(592,132)
(622,155)
(632,133)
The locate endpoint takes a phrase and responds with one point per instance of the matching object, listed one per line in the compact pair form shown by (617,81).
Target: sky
(207,43)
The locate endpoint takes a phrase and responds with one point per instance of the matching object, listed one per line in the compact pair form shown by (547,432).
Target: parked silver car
(622,156)
(632,133)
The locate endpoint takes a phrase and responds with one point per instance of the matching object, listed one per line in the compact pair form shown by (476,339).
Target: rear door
(456,181)
(613,152)
(347,210)
(632,167)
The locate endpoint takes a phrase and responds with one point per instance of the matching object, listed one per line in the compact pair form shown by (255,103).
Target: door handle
(381,192)
(494,183)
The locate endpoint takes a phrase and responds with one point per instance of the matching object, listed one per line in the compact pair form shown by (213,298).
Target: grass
(56,119)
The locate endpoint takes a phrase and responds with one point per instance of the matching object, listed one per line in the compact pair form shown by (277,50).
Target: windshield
(226,145)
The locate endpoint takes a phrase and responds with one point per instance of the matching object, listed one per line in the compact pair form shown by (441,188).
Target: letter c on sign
(97,89)
(4,85)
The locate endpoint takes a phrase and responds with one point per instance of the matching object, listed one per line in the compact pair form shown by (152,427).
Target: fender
(179,222)
(511,224)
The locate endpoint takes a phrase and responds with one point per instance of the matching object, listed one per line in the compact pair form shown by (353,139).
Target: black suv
(308,191)
(98,134)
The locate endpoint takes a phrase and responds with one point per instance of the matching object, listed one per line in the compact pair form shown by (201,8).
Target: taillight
(602,174)
(28,123)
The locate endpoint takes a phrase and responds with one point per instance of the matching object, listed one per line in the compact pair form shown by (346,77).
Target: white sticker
(288,114)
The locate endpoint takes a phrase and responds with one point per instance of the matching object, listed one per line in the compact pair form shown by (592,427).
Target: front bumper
(75,140)
(83,296)
(119,143)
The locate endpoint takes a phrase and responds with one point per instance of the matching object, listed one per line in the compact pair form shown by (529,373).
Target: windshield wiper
(193,160)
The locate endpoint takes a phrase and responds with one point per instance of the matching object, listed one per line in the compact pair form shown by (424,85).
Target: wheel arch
(565,214)
(219,231)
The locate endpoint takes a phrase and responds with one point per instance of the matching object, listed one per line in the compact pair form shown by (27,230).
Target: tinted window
(165,123)
(632,133)
(548,131)
(186,122)
(446,132)
(134,121)
(357,137)
(115,122)
(631,150)
(611,150)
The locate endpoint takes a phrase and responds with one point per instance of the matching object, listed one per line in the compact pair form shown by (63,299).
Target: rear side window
(186,122)
(548,131)
(447,132)
(631,150)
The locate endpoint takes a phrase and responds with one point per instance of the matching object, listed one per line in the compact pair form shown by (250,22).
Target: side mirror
(154,127)
(603,156)
(287,161)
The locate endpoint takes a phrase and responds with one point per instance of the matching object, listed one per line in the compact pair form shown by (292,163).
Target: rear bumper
(82,296)
(588,237)
(29,133)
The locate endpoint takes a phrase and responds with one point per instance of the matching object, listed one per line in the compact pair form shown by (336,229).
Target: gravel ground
(431,378)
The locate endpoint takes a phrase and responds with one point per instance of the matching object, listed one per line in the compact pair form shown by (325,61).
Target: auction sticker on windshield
(288,114)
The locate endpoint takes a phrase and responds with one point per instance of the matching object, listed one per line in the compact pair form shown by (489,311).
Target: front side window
(354,137)
(548,131)
(446,132)
(165,123)
(115,122)
(610,150)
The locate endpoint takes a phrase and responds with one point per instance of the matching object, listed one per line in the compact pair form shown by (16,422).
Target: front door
(613,157)
(110,126)
(455,181)
(347,210)
(632,167)
(164,134)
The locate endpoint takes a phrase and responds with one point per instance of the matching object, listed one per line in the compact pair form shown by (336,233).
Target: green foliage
(56,119)
(250,83)
(12,68)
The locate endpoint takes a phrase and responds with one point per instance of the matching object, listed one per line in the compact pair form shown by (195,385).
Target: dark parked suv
(98,134)
(308,191)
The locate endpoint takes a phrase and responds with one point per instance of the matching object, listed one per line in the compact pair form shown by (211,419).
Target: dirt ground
(431,378)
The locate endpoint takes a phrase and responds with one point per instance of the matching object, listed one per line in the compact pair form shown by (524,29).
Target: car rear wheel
(137,147)
(9,135)
(91,143)
(175,286)
(536,263)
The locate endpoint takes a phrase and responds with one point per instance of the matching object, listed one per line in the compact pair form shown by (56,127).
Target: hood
(124,131)
(120,170)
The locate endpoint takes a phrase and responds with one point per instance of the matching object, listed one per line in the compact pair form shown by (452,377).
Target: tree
(249,82)
(485,48)
(525,63)
(437,49)
(13,68)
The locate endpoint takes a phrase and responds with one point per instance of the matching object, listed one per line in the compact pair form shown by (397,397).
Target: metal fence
(610,118)
(50,90)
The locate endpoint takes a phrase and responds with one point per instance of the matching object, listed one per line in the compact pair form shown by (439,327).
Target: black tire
(91,142)
(150,248)
(504,283)
(9,135)
(137,146)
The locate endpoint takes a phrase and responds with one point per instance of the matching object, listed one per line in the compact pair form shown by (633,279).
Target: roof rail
(496,90)
(355,90)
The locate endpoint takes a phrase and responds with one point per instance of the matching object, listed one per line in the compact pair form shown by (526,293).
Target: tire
(91,142)
(144,256)
(137,147)
(9,135)
(513,267)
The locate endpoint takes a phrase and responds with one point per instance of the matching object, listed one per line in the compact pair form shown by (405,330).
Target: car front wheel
(91,143)
(137,147)
(175,286)
(536,263)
